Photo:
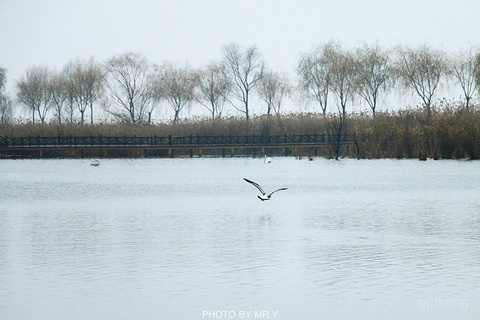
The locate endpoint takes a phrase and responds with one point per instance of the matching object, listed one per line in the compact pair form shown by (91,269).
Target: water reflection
(169,238)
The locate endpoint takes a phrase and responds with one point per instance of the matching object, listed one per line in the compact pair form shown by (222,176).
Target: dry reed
(450,131)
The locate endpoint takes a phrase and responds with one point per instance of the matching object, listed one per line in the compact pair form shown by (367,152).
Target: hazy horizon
(54,32)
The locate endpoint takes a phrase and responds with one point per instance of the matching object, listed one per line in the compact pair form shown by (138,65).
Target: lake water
(188,239)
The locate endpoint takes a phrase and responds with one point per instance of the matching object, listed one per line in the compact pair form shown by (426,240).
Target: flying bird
(264,196)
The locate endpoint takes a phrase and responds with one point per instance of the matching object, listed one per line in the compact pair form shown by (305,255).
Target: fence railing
(192,140)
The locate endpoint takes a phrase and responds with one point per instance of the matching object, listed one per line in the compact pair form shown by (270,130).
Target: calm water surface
(188,239)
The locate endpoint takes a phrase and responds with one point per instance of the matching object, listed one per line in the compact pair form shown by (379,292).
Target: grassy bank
(452,132)
(448,132)
(298,123)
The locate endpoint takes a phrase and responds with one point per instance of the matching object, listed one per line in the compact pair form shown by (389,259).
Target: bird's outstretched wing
(256,185)
(276,191)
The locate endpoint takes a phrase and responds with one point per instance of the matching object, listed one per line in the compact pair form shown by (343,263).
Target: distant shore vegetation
(447,132)
(123,96)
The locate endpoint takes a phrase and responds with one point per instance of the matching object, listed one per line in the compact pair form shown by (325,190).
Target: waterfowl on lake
(95,163)
(264,196)
(267,159)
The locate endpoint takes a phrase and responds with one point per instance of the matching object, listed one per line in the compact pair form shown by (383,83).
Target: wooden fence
(10,145)
(187,141)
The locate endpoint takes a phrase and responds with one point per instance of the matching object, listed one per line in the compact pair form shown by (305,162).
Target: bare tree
(213,88)
(128,82)
(71,90)
(3,78)
(245,67)
(374,73)
(329,69)
(77,78)
(154,96)
(315,70)
(421,69)
(343,84)
(76,71)
(272,89)
(88,78)
(32,91)
(464,68)
(176,85)
(343,79)
(6,102)
(477,70)
(58,92)
(6,108)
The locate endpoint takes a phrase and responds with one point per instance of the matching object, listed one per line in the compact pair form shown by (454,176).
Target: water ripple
(162,238)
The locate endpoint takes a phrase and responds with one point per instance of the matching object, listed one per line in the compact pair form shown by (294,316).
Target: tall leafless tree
(59,94)
(77,83)
(343,79)
(176,85)
(421,69)
(88,78)
(214,87)
(374,73)
(245,67)
(77,77)
(6,108)
(477,70)
(272,89)
(464,69)
(3,78)
(128,82)
(6,102)
(32,91)
(343,84)
(155,97)
(315,70)
(71,90)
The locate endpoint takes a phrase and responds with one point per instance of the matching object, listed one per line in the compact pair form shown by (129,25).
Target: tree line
(129,88)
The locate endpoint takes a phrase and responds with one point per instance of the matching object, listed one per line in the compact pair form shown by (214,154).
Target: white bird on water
(95,163)
(264,196)
(267,159)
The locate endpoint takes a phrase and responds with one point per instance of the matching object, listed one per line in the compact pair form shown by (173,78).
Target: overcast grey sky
(51,32)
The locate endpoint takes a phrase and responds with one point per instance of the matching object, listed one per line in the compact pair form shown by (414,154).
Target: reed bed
(449,132)
(298,123)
